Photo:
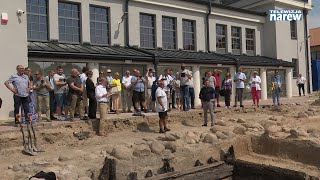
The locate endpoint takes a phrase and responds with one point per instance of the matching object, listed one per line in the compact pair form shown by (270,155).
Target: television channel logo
(285,15)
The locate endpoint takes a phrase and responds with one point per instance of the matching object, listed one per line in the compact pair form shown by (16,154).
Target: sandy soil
(137,147)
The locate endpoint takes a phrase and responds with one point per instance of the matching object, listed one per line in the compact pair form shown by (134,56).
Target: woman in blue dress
(32,106)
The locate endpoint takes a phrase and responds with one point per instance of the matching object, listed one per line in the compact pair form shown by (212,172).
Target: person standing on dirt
(216,74)
(103,98)
(276,87)
(255,82)
(150,79)
(127,92)
(301,81)
(191,91)
(138,83)
(167,80)
(60,92)
(239,79)
(162,105)
(42,88)
(20,89)
(226,89)
(83,78)
(75,95)
(53,103)
(91,96)
(207,97)
(184,77)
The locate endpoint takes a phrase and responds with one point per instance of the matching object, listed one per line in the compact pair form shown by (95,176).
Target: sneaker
(205,125)
(212,125)
(166,129)
(235,106)
(241,106)
(162,131)
(61,118)
(218,105)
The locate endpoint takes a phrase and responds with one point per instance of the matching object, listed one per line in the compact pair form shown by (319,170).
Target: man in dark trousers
(207,96)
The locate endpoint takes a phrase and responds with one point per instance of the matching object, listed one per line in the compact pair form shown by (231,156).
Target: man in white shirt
(239,79)
(127,92)
(300,83)
(184,77)
(162,106)
(103,99)
(150,79)
(167,80)
(83,79)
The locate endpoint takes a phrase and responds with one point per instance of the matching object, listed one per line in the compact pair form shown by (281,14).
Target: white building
(127,34)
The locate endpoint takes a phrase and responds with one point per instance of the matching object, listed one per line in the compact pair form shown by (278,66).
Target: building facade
(127,34)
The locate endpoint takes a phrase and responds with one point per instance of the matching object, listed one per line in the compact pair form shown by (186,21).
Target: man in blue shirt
(20,89)
(138,82)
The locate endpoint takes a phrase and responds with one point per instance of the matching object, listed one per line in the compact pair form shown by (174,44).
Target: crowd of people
(64,98)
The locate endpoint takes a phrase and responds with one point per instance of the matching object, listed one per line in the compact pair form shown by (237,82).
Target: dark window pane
(69,22)
(99,25)
(147,31)
(188,29)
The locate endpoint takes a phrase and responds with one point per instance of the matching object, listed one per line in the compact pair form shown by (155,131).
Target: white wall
(13,49)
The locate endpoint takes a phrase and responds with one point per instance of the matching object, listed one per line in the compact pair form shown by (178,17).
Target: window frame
(237,39)
(295,70)
(108,24)
(253,40)
(293,29)
(220,49)
(154,30)
(38,14)
(170,30)
(194,33)
(80,22)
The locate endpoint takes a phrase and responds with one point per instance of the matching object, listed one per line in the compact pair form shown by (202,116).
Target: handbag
(114,90)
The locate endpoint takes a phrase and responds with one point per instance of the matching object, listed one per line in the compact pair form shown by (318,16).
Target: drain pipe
(127,39)
(208,26)
(305,13)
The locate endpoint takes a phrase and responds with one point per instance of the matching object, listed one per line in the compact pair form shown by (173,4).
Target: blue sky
(314,19)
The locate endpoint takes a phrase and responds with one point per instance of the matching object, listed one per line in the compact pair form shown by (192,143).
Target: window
(295,71)
(188,28)
(37,20)
(168,33)
(250,44)
(221,42)
(69,22)
(99,25)
(147,31)
(236,40)
(293,29)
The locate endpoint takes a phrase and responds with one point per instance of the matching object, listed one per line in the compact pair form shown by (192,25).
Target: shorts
(61,99)
(163,114)
(217,91)
(138,96)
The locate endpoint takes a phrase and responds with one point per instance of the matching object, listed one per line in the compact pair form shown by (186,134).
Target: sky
(314,19)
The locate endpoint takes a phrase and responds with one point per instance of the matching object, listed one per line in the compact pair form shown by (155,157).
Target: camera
(183,74)
(42,81)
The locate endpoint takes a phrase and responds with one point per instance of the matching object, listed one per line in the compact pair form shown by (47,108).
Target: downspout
(127,39)
(208,26)
(305,13)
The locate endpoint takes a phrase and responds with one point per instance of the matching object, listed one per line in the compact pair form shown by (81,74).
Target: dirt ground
(137,147)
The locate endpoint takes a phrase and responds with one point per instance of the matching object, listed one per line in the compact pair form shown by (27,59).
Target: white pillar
(232,73)
(85,21)
(53,20)
(264,85)
(94,67)
(196,84)
(289,82)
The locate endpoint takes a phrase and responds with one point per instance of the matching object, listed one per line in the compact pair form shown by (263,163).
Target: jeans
(276,96)
(208,106)
(18,101)
(301,86)
(192,96)
(40,100)
(185,97)
(239,96)
(53,103)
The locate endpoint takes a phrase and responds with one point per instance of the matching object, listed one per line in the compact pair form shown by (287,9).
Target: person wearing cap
(150,79)
(255,82)
(162,105)
(109,78)
(127,92)
(116,83)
